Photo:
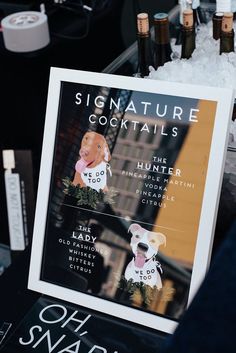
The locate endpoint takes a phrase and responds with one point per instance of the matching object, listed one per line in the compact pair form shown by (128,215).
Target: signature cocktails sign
(128,193)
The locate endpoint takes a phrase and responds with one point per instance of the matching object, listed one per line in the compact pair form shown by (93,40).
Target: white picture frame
(224,99)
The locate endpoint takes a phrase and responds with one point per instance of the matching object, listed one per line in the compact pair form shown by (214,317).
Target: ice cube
(205,67)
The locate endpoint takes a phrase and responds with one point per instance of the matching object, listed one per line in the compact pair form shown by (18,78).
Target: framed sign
(128,190)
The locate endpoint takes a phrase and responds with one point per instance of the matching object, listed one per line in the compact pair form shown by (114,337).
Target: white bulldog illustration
(143,267)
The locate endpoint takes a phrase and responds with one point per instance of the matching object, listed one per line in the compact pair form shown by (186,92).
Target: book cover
(53,326)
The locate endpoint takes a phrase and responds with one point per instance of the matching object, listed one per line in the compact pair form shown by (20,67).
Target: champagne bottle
(217,23)
(188,34)
(145,52)
(227,34)
(162,47)
(183,5)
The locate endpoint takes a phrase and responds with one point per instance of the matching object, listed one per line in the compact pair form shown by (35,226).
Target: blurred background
(79,39)
(24,76)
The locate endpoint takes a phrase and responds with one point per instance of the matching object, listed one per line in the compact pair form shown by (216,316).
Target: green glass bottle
(162,47)
(188,34)
(227,34)
(145,52)
(217,24)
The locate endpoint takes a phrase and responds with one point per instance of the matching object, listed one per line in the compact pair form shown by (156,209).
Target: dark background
(24,85)
(210,324)
(24,77)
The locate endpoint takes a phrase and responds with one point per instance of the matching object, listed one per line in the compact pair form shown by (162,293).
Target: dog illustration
(143,267)
(91,168)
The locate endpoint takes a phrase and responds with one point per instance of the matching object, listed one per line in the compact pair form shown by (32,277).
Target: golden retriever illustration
(91,168)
